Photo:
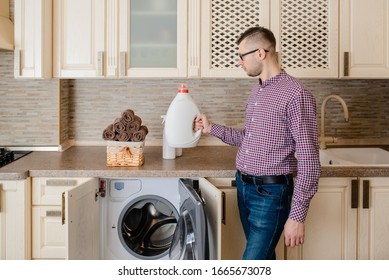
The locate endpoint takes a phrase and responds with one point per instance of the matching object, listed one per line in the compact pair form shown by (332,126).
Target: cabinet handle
(346,62)
(223,208)
(354,194)
(63,208)
(366,196)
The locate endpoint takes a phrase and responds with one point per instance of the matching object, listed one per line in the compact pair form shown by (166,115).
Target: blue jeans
(263,212)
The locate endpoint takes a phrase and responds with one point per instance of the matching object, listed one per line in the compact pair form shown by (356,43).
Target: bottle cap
(183,89)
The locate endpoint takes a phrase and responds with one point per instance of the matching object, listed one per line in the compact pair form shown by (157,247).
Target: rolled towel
(128,115)
(140,135)
(119,125)
(135,125)
(123,136)
(109,133)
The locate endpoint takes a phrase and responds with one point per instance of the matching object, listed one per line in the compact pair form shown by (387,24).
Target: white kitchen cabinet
(364,39)
(223,22)
(49,234)
(15,219)
(307,36)
(79,38)
(373,219)
(33,39)
(331,224)
(347,219)
(121,38)
(153,37)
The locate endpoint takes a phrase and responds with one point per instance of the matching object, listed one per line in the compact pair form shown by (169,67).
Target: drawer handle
(354,194)
(53,213)
(63,208)
(366,196)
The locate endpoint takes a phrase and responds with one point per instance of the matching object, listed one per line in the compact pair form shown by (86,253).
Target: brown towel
(119,125)
(135,125)
(123,136)
(140,135)
(109,133)
(128,115)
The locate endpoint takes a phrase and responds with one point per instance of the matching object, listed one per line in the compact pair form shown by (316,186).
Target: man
(279,139)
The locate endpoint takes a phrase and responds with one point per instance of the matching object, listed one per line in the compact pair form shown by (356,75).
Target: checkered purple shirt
(280,137)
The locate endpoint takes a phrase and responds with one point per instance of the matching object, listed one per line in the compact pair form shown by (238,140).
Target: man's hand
(294,233)
(202,123)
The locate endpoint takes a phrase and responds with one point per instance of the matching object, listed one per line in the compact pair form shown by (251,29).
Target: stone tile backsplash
(52,112)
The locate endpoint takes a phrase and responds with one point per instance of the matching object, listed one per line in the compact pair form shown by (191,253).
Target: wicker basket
(125,153)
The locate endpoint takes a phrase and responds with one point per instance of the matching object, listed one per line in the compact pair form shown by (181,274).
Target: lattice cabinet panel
(308,37)
(224,21)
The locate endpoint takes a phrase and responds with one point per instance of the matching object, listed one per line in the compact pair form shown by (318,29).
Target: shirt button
(247,151)
(256,103)
(261,89)
(252,119)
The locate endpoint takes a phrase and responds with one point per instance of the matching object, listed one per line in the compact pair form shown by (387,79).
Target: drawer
(48,233)
(48,191)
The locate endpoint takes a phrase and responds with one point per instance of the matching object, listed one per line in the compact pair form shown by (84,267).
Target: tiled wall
(95,104)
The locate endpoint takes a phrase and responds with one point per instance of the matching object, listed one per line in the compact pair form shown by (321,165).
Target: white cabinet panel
(221,25)
(33,39)
(364,40)
(15,219)
(79,38)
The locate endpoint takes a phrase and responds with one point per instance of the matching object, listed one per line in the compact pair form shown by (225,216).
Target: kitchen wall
(52,112)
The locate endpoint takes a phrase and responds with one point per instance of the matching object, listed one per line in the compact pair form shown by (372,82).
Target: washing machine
(152,218)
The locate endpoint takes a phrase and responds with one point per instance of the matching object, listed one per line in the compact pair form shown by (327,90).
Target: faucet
(328,139)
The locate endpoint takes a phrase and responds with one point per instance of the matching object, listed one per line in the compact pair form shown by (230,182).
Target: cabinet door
(364,39)
(153,38)
(82,222)
(221,25)
(307,37)
(213,209)
(331,224)
(33,39)
(15,220)
(79,38)
(373,219)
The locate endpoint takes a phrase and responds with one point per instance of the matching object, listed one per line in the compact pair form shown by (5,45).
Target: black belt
(265,180)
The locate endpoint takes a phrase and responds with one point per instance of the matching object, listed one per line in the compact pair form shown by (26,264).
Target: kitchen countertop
(201,161)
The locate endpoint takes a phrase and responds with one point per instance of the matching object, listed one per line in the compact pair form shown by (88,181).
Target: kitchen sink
(354,157)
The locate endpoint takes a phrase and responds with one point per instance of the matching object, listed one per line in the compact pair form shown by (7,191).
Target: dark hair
(261,33)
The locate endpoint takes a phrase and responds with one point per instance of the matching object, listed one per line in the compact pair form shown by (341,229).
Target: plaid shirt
(280,137)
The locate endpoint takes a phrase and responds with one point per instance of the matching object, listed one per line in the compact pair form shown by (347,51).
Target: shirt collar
(272,80)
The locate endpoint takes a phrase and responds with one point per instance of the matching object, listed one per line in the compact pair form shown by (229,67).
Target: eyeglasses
(253,51)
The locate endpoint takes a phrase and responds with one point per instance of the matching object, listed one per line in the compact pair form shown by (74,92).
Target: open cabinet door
(212,197)
(82,221)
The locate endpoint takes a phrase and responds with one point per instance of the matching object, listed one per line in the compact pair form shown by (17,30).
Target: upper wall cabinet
(223,22)
(33,39)
(79,40)
(119,38)
(364,40)
(307,37)
(153,38)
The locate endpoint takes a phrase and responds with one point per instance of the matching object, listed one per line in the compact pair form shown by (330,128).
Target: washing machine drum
(147,227)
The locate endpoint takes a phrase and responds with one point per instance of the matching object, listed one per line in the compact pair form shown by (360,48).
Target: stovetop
(7,156)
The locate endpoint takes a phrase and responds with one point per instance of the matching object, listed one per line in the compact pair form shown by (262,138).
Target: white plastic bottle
(179,121)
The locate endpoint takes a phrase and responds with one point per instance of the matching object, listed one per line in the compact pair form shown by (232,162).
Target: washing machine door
(190,241)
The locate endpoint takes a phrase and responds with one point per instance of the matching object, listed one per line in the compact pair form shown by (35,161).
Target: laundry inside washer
(148,227)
